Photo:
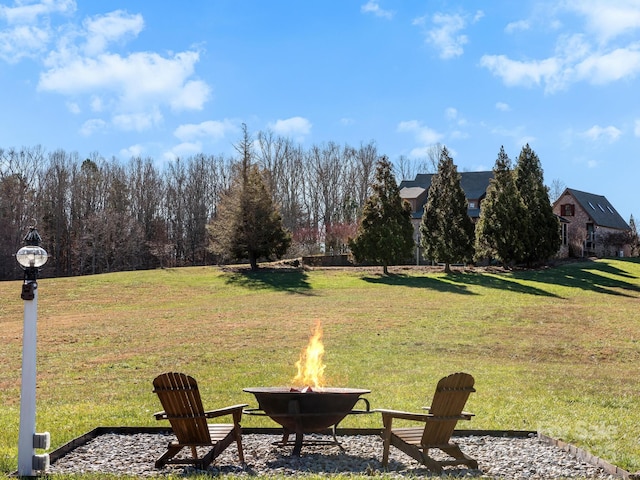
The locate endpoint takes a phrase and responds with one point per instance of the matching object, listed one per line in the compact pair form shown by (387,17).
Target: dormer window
(472,204)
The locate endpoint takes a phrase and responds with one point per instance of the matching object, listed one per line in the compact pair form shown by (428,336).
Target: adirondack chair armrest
(420,417)
(467,415)
(225,411)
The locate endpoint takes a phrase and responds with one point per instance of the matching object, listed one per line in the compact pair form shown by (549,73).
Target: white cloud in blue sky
(156,79)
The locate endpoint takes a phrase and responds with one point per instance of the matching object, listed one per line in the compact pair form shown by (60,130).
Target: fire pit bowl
(307,411)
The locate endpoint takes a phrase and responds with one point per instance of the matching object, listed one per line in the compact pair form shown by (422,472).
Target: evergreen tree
(541,231)
(634,240)
(247,224)
(446,229)
(500,226)
(385,233)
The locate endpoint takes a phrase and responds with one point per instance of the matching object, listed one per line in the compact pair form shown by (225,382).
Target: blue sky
(163,79)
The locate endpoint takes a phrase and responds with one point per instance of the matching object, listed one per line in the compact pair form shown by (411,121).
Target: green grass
(555,350)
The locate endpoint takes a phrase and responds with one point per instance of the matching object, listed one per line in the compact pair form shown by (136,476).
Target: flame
(310,366)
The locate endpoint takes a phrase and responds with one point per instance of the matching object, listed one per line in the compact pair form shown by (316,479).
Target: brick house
(474,185)
(590,225)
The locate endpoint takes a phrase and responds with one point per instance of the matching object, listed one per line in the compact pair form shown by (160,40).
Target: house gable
(596,207)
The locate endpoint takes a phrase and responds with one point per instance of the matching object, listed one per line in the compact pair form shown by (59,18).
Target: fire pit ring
(309,411)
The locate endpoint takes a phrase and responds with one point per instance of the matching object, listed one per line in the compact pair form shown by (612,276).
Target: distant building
(590,225)
(474,185)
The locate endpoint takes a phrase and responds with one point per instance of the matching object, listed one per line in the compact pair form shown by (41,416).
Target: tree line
(98,215)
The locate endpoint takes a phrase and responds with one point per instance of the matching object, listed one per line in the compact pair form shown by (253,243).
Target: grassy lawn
(554,350)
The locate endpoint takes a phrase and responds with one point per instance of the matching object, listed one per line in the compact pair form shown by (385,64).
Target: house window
(567,210)
(565,233)
(472,204)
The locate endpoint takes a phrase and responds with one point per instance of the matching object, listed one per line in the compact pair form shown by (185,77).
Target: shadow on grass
(433,283)
(600,277)
(457,283)
(288,280)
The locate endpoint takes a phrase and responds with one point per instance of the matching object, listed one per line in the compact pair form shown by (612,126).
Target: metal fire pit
(303,412)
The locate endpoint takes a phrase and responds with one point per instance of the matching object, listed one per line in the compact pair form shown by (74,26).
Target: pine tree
(447,231)
(385,233)
(247,223)
(500,226)
(542,228)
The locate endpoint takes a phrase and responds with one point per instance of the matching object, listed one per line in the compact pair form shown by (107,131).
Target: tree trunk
(253,261)
(447,267)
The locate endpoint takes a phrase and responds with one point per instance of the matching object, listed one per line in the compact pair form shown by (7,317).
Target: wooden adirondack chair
(180,398)
(449,399)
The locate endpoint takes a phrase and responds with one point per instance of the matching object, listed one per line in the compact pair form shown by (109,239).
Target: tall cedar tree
(447,231)
(499,228)
(633,239)
(247,223)
(541,233)
(385,233)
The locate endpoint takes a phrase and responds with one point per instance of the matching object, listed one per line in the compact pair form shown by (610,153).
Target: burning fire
(310,366)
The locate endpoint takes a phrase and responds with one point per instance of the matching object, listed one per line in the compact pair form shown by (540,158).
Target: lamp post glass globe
(31,256)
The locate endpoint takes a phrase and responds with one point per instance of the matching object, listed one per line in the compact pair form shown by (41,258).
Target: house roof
(598,208)
(474,184)
(411,192)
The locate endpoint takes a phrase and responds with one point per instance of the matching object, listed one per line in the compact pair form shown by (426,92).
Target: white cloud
(139,81)
(503,107)
(609,67)
(132,151)
(446,36)
(74,108)
(184,149)
(132,89)
(104,29)
(28,12)
(517,134)
(443,31)
(422,134)
(138,121)
(605,18)
(294,126)
(212,129)
(23,41)
(520,25)
(28,34)
(514,72)
(597,132)
(453,115)
(372,6)
(346,121)
(584,56)
(92,126)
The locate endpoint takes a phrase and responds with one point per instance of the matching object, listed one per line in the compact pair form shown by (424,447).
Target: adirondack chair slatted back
(448,403)
(180,398)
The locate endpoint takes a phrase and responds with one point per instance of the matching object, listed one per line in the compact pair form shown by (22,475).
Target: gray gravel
(513,458)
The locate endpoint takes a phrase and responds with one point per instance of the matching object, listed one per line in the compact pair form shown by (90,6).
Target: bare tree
(556,189)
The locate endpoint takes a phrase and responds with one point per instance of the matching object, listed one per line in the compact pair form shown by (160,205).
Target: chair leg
(386,440)
(238,436)
(455,452)
(171,452)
